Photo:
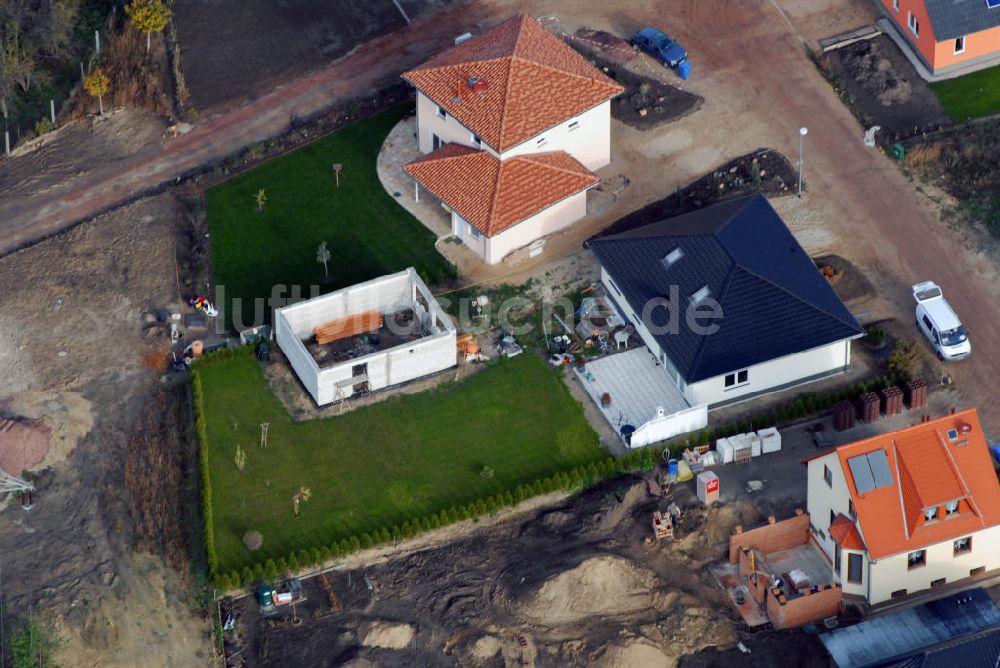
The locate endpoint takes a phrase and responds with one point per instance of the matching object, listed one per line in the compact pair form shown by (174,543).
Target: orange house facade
(948,35)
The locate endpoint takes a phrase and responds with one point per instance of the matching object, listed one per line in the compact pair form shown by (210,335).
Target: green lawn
(367,232)
(971,96)
(379,466)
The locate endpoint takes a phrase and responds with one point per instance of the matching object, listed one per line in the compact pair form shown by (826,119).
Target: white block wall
(820,500)
(429,123)
(557,217)
(661,428)
(388,294)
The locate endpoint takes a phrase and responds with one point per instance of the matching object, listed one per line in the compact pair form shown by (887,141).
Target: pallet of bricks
(916,394)
(892,401)
(869,407)
(843,415)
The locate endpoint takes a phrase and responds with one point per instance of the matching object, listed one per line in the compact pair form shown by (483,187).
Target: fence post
(97,41)
(52,110)
(6,142)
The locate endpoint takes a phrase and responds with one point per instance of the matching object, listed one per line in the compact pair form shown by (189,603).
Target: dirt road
(26,219)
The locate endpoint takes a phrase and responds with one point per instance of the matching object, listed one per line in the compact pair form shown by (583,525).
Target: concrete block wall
(772,536)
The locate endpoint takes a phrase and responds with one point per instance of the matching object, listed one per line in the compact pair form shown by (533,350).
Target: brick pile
(843,415)
(892,401)
(916,394)
(869,407)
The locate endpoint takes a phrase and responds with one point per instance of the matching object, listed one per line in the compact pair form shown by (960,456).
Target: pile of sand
(388,636)
(66,417)
(633,655)
(486,648)
(603,585)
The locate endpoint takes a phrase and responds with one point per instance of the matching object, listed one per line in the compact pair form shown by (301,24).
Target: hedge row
(208,524)
(579,477)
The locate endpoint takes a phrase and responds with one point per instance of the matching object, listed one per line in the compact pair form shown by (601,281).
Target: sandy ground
(71,345)
(567,583)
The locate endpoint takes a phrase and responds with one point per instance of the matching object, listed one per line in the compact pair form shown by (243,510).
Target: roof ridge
(899,486)
(491,215)
(453,65)
(510,77)
(596,79)
(696,360)
(533,158)
(957,472)
(424,159)
(789,292)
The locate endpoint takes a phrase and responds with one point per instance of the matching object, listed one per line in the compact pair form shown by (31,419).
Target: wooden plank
(352,325)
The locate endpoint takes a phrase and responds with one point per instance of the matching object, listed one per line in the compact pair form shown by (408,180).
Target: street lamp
(802,135)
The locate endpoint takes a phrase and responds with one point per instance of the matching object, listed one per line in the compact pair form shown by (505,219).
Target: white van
(940,325)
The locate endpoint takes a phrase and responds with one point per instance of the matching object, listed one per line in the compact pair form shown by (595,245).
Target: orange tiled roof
(530,81)
(493,195)
(845,534)
(928,470)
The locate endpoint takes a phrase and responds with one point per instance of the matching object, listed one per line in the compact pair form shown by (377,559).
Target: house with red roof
(948,36)
(908,510)
(512,124)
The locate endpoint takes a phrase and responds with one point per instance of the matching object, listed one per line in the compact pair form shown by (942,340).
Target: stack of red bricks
(916,394)
(869,407)
(892,401)
(843,415)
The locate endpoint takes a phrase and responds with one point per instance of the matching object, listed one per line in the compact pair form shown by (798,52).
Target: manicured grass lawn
(367,233)
(379,466)
(971,96)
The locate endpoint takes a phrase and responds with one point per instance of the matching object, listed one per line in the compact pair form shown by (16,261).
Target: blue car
(661,46)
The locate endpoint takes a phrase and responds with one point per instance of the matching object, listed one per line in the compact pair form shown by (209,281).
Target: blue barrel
(684,69)
(996,452)
(672,467)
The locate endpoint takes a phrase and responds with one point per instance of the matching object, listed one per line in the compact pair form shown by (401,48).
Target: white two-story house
(908,510)
(513,122)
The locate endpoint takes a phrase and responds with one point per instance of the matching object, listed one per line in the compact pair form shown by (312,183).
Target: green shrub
(903,359)
(34,644)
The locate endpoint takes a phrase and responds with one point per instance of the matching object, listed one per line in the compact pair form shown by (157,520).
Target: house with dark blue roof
(949,37)
(728,302)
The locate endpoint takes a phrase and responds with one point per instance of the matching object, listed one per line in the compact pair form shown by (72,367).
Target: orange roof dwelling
(949,37)
(512,122)
(493,194)
(512,83)
(908,510)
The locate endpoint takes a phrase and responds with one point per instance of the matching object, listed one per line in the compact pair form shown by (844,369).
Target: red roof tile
(928,469)
(845,534)
(492,195)
(531,81)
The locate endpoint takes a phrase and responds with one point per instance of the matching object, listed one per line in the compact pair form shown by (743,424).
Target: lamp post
(803,131)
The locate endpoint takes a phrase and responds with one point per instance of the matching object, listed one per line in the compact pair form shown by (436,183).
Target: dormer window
(672,257)
(930,513)
(700,295)
(951,507)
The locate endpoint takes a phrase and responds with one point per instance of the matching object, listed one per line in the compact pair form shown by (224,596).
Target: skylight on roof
(672,257)
(993,4)
(701,295)
(870,471)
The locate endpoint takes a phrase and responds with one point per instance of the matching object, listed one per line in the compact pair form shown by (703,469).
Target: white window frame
(959,50)
(574,125)
(542,141)
(477,140)
(735,375)
(473,232)
(913,24)
(895,6)
(441,113)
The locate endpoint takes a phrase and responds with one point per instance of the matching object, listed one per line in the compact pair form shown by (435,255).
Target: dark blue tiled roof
(955,18)
(774,301)
(938,633)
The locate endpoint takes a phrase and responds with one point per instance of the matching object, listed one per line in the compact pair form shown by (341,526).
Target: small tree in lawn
(97,83)
(323,256)
(148,16)
(261,199)
(240,458)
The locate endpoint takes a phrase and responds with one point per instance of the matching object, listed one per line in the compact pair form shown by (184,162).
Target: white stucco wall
(820,500)
(475,241)
(661,428)
(387,294)
(586,137)
(893,573)
(448,128)
(557,217)
(774,373)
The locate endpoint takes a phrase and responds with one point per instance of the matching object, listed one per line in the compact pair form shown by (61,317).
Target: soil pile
(603,585)
(634,655)
(876,74)
(389,636)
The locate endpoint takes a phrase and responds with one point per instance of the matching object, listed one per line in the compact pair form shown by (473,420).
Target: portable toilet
(684,69)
